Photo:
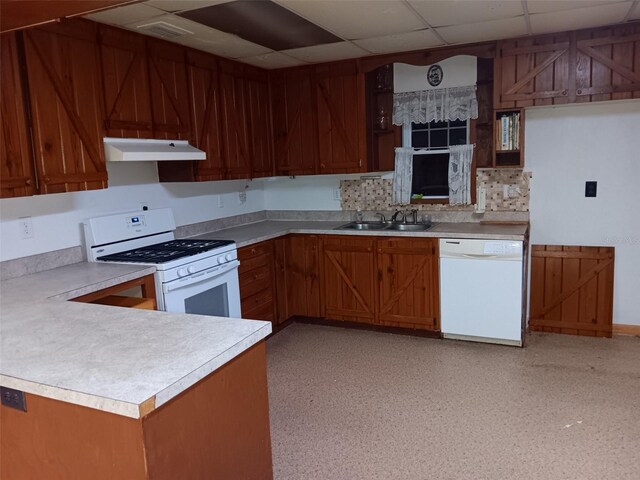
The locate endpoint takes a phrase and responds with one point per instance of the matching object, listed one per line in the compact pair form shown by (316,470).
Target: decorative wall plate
(434,75)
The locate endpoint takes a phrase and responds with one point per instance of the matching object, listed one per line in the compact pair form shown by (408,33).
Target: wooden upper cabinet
(169,90)
(16,162)
(348,278)
(64,86)
(569,67)
(258,115)
(127,99)
(339,95)
(206,129)
(408,282)
(294,122)
(235,121)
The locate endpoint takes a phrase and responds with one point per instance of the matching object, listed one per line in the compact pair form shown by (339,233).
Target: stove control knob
(182,272)
(228,257)
(191,269)
(221,259)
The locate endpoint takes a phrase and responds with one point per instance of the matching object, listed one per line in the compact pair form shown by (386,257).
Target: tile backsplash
(507,190)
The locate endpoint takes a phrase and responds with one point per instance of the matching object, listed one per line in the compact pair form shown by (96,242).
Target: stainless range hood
(144,150)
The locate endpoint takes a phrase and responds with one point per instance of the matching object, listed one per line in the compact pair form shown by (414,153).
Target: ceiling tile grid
(374,26)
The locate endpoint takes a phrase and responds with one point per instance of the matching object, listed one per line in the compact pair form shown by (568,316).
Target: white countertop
(120,360)
(266,230)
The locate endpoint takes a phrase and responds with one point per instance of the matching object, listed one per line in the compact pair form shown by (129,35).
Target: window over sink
(431,142)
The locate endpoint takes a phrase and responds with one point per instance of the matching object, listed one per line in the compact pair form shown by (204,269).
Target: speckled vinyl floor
(352,404)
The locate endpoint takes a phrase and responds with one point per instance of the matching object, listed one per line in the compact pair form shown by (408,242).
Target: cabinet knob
(579,91)
(322,165)
(27,181)
(47,180)
(564,92)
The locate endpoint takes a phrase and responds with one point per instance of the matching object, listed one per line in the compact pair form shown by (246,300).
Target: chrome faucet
(383,219)
(397,213)
(414,215)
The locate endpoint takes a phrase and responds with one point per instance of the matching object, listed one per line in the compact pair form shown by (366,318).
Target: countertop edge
(212,365)
(425,234)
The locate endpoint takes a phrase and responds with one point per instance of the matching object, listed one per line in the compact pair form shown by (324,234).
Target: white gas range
(192,276)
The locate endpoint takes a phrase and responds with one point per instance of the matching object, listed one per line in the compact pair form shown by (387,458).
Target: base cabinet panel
(348,278)
(408,283)
(218,428)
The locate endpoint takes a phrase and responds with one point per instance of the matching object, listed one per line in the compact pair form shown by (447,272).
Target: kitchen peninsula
(124,393)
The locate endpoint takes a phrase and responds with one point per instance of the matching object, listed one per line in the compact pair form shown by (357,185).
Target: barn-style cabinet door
(339,97)
(348,274)
(17,177)
(65,96)
(206,128)
(169,90)
(294,122)
(258,114)
(408,282)
(235,121)
(569,67)
(126,94)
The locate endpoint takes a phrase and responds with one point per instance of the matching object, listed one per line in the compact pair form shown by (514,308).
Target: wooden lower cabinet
(383,281)
(408,283)
(257,282)
(297,276)
(218,428)
(388,281)
(348,278)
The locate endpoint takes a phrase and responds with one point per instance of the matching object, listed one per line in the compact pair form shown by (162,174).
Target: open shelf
(508,137)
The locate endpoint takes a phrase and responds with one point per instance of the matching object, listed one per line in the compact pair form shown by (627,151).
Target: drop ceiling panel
(454,12)
(543,6)
(205,38)
(357,19)
(272,60)
(579,18)
(126,14)
(264,23)
(180,5)
(478,32)
(401,42)
(327,53)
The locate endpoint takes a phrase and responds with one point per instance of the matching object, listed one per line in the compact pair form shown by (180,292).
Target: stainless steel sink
(364,226)
(409,227)
(401,227)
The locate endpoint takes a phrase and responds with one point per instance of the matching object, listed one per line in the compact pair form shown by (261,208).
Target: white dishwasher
(481,290)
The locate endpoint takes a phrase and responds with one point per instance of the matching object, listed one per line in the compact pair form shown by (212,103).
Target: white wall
(56,218)
(304,193)
(458,71)
(568,145)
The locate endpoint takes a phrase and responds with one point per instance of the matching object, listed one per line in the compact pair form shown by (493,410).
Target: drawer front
(264,312)
(262,248)
(254,281)
(257,301)
(254,263)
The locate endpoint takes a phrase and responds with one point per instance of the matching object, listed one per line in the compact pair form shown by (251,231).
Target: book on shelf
(508,132)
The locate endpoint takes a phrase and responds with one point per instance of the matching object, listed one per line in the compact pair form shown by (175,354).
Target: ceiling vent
(164,30)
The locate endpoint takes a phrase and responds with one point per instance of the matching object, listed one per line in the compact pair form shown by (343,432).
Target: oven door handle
(207,274)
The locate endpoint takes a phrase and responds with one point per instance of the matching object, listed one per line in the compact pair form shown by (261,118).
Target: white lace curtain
(455,103)
(460,158)
(402,176)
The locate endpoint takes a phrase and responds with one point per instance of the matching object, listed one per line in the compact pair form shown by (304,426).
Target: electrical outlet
(26,227)
(13,398)
(337,195)
(242,197)
(220,201)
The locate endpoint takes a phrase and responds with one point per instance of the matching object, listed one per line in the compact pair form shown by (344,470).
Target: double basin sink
(401,227)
